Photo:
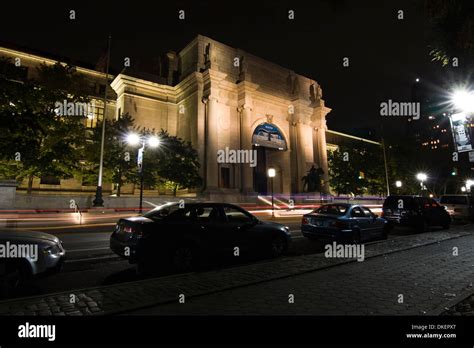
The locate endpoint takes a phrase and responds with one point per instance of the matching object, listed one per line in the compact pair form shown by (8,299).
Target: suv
(459,206)
(415,211)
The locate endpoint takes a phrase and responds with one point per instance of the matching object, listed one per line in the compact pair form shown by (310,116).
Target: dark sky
(386,54)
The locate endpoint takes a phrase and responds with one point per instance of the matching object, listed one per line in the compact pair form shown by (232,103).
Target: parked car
(26,255)
(416,212)
(343,222)
(459,206)
(183,238)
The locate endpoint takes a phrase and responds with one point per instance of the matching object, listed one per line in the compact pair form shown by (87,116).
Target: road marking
(94,258)
(77,250)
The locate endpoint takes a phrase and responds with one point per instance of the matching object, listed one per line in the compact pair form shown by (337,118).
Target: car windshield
(332,209)
(162,211)
(453,200)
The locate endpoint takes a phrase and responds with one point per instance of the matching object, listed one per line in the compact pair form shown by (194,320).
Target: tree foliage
(35,141)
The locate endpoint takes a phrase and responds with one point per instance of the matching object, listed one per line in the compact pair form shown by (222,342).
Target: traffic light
(454,172)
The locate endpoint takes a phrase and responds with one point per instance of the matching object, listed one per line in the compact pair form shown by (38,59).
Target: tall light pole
(385,161)
(271,175)
(98,201)
(135,139)
(422,178)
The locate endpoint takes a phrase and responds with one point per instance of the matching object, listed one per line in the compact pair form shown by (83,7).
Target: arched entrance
(269,142)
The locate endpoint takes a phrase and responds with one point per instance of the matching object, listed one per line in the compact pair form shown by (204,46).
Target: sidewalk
(406,265)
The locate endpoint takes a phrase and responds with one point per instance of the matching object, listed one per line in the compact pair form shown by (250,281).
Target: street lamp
(469,184)
(463,100)
(136,139)
(398,184)
(271,175)
(422,178)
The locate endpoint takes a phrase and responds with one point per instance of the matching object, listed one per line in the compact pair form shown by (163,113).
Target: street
(91,263)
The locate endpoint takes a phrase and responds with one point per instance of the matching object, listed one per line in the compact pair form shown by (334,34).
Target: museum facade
(241,113)
(225,99)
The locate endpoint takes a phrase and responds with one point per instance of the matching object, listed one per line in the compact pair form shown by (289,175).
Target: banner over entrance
(268,135)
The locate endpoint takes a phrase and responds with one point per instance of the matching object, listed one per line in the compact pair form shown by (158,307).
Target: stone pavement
(406,265)
(428,278)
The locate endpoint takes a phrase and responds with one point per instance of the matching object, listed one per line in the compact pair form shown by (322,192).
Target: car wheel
(12,278)
(278,246)
(184,258)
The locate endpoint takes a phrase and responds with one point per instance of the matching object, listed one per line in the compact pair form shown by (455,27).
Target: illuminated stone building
(222,98)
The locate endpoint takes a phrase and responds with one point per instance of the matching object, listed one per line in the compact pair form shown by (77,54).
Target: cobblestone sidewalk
(134,295)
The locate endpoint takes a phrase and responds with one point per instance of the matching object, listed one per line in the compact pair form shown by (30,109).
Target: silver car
(25,255)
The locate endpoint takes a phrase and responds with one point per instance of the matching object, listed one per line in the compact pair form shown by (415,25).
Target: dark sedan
(181,238)
(343,222)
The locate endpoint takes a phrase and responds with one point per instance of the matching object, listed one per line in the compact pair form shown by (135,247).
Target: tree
(119,158)
(312,180)
(357,169)
(176,162)
(451,23)
(35,139)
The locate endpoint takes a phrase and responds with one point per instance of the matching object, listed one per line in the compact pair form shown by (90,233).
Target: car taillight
(128,229)
(304,221)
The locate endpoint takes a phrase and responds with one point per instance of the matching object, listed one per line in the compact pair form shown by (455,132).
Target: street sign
(140,159)
(471,156)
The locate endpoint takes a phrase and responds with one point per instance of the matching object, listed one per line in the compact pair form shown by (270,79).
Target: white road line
(93,258)
(77,250)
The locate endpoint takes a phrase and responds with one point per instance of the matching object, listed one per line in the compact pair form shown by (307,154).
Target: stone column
(246,144)
(212,144)
(319,141)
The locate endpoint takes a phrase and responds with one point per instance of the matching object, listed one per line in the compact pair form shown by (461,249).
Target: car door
(374,225)
(430,211)
(210,224)
(362,221)
(239,229)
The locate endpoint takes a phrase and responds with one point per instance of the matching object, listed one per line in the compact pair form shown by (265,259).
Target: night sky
(386,54)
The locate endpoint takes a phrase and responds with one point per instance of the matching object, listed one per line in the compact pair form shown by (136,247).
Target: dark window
(367,212)
(357,212)
(332,209)
(453,200)
(236,216)
(225,177)
(207,214)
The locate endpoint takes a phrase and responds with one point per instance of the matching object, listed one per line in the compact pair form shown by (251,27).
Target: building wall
(217,105)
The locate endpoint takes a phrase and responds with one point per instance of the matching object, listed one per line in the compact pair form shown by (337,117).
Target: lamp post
(398,185)
(152,141)
(99,201)
(271,175)
(421,178)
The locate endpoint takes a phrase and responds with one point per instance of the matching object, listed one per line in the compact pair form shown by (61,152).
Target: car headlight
(52,250)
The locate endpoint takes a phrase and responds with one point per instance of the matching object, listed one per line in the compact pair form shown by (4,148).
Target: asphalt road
(91,263)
